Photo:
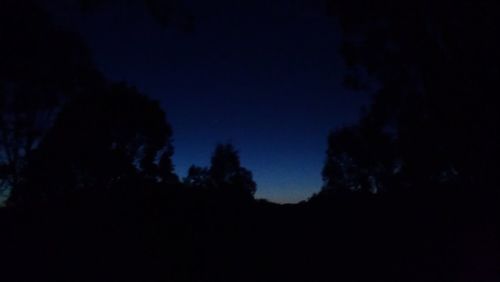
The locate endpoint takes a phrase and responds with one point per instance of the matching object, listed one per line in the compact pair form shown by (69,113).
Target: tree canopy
(224,174)
(42,67)
(98,139)
(436,66)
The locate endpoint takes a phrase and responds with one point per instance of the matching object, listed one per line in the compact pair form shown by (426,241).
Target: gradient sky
(264,76)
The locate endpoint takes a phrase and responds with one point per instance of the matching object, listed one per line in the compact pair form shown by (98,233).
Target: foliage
(42,66)
(97,140)
(360,158)
(436,64)
(225,173)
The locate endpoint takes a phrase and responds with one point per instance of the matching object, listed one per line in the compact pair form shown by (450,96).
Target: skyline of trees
(436,72)
(409,194)
(431,124)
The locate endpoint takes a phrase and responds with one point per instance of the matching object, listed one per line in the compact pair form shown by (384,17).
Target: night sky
(265,76)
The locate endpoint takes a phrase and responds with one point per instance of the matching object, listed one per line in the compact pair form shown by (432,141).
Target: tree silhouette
(99,139)
(436,64)
(360,158)
(225,174)
(42,66)
(226,170)
(197,177)
(166,166)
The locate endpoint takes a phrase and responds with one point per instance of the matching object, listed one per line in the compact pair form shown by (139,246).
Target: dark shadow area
(410,191)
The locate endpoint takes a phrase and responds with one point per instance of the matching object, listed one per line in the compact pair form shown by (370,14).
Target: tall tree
(437,64)
(225,174)
(197,177)
(360,158)
(42,66)
(226,170)
(99,139)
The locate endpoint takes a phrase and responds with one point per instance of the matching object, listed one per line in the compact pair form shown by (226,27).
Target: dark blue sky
(265,76)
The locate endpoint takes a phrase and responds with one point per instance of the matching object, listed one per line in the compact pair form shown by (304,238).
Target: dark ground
(172,235)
